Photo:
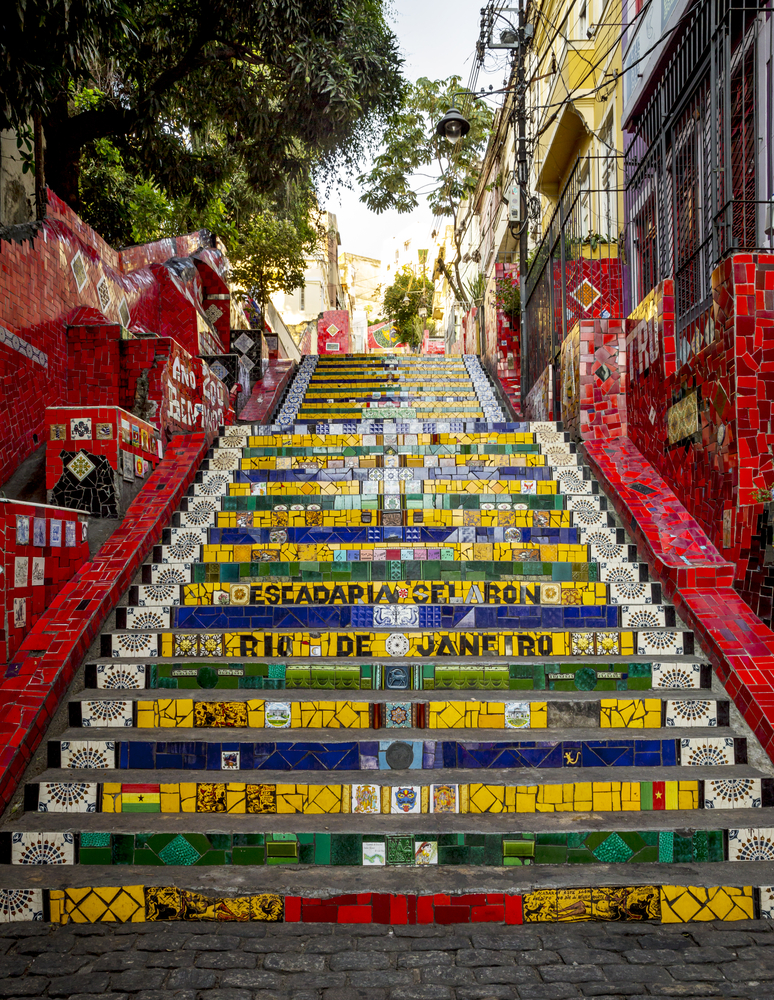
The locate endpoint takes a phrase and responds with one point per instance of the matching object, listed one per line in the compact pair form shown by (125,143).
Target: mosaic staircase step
(391,534)
(409,592)
(222,616)
(393,755)
(179,711)
(517,849)
(375,797)
(675,674)
(385,644)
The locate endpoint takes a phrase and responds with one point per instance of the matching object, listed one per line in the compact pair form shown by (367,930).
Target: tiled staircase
(394,560)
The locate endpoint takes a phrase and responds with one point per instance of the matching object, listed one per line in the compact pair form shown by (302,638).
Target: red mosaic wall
(333,332)
(719,462)
(42,548)
(593,380)
(68,276)
(110,428)
(39,673)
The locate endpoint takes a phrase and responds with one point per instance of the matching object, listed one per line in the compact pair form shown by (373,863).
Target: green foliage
(197,92)
(509,297)
(402,301)
(476,289)
(411,146)
(269,252)
(49,45)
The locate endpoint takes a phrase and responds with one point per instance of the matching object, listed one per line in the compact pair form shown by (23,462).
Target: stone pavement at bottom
(186,961)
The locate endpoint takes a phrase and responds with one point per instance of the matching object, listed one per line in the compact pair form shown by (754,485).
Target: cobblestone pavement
(348,962)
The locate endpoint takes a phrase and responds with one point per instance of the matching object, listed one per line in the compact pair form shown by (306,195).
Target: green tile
(99,856)
(248,856)
(346,849)
(213,858)
(322,849)
(123,848)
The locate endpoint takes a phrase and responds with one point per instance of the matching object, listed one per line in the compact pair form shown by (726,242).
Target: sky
(437,39)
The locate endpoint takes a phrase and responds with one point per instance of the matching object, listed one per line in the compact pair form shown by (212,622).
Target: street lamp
(453,126)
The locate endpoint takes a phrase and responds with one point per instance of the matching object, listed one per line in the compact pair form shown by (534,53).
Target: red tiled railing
(696,577)
(38,676)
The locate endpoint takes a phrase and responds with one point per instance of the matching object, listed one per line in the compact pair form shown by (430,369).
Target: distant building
(321,291)
(362,284)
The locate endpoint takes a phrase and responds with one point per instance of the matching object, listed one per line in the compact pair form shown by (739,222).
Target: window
(583,20)
(608,223)
(302,298)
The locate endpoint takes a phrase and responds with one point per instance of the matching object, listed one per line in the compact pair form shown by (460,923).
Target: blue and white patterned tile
(20,904)
(87,754)
(42,849)
(707,751)
(643,617)
(68,796)
(120,676)
(105,714)
(146,618)
(134,644)
(751,844)
(687,713)
(676,676)
(661,642)
(176,575)
(732,793)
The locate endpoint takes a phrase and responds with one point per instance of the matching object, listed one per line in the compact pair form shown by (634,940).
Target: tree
(402,301)
(270,252)
(411,146)
(190,91)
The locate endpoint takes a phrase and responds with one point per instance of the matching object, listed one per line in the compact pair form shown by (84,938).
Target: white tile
(148,618)
(68,796)
(630,593)
(677,676)
(767,901)
(751,844)
(107,714)
(517,715)
(686,713)
(707,751)
(374,854)
(732,793)
(88,754)
(444,798)
(653,643)
(177,575)
(426,852)
(115,676)
(20,904)
(157,595)
(366,799)
(42,849)
(134,644)
(640,617)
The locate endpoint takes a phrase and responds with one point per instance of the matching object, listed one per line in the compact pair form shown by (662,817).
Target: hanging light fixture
(453,126)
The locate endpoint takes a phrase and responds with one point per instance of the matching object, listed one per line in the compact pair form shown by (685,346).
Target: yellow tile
(538,715)
(146,715)
(256,716)
(187,797)
(56,906)
(688,794)
(111,797)
(526,798)
(169,798)
(671,800)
